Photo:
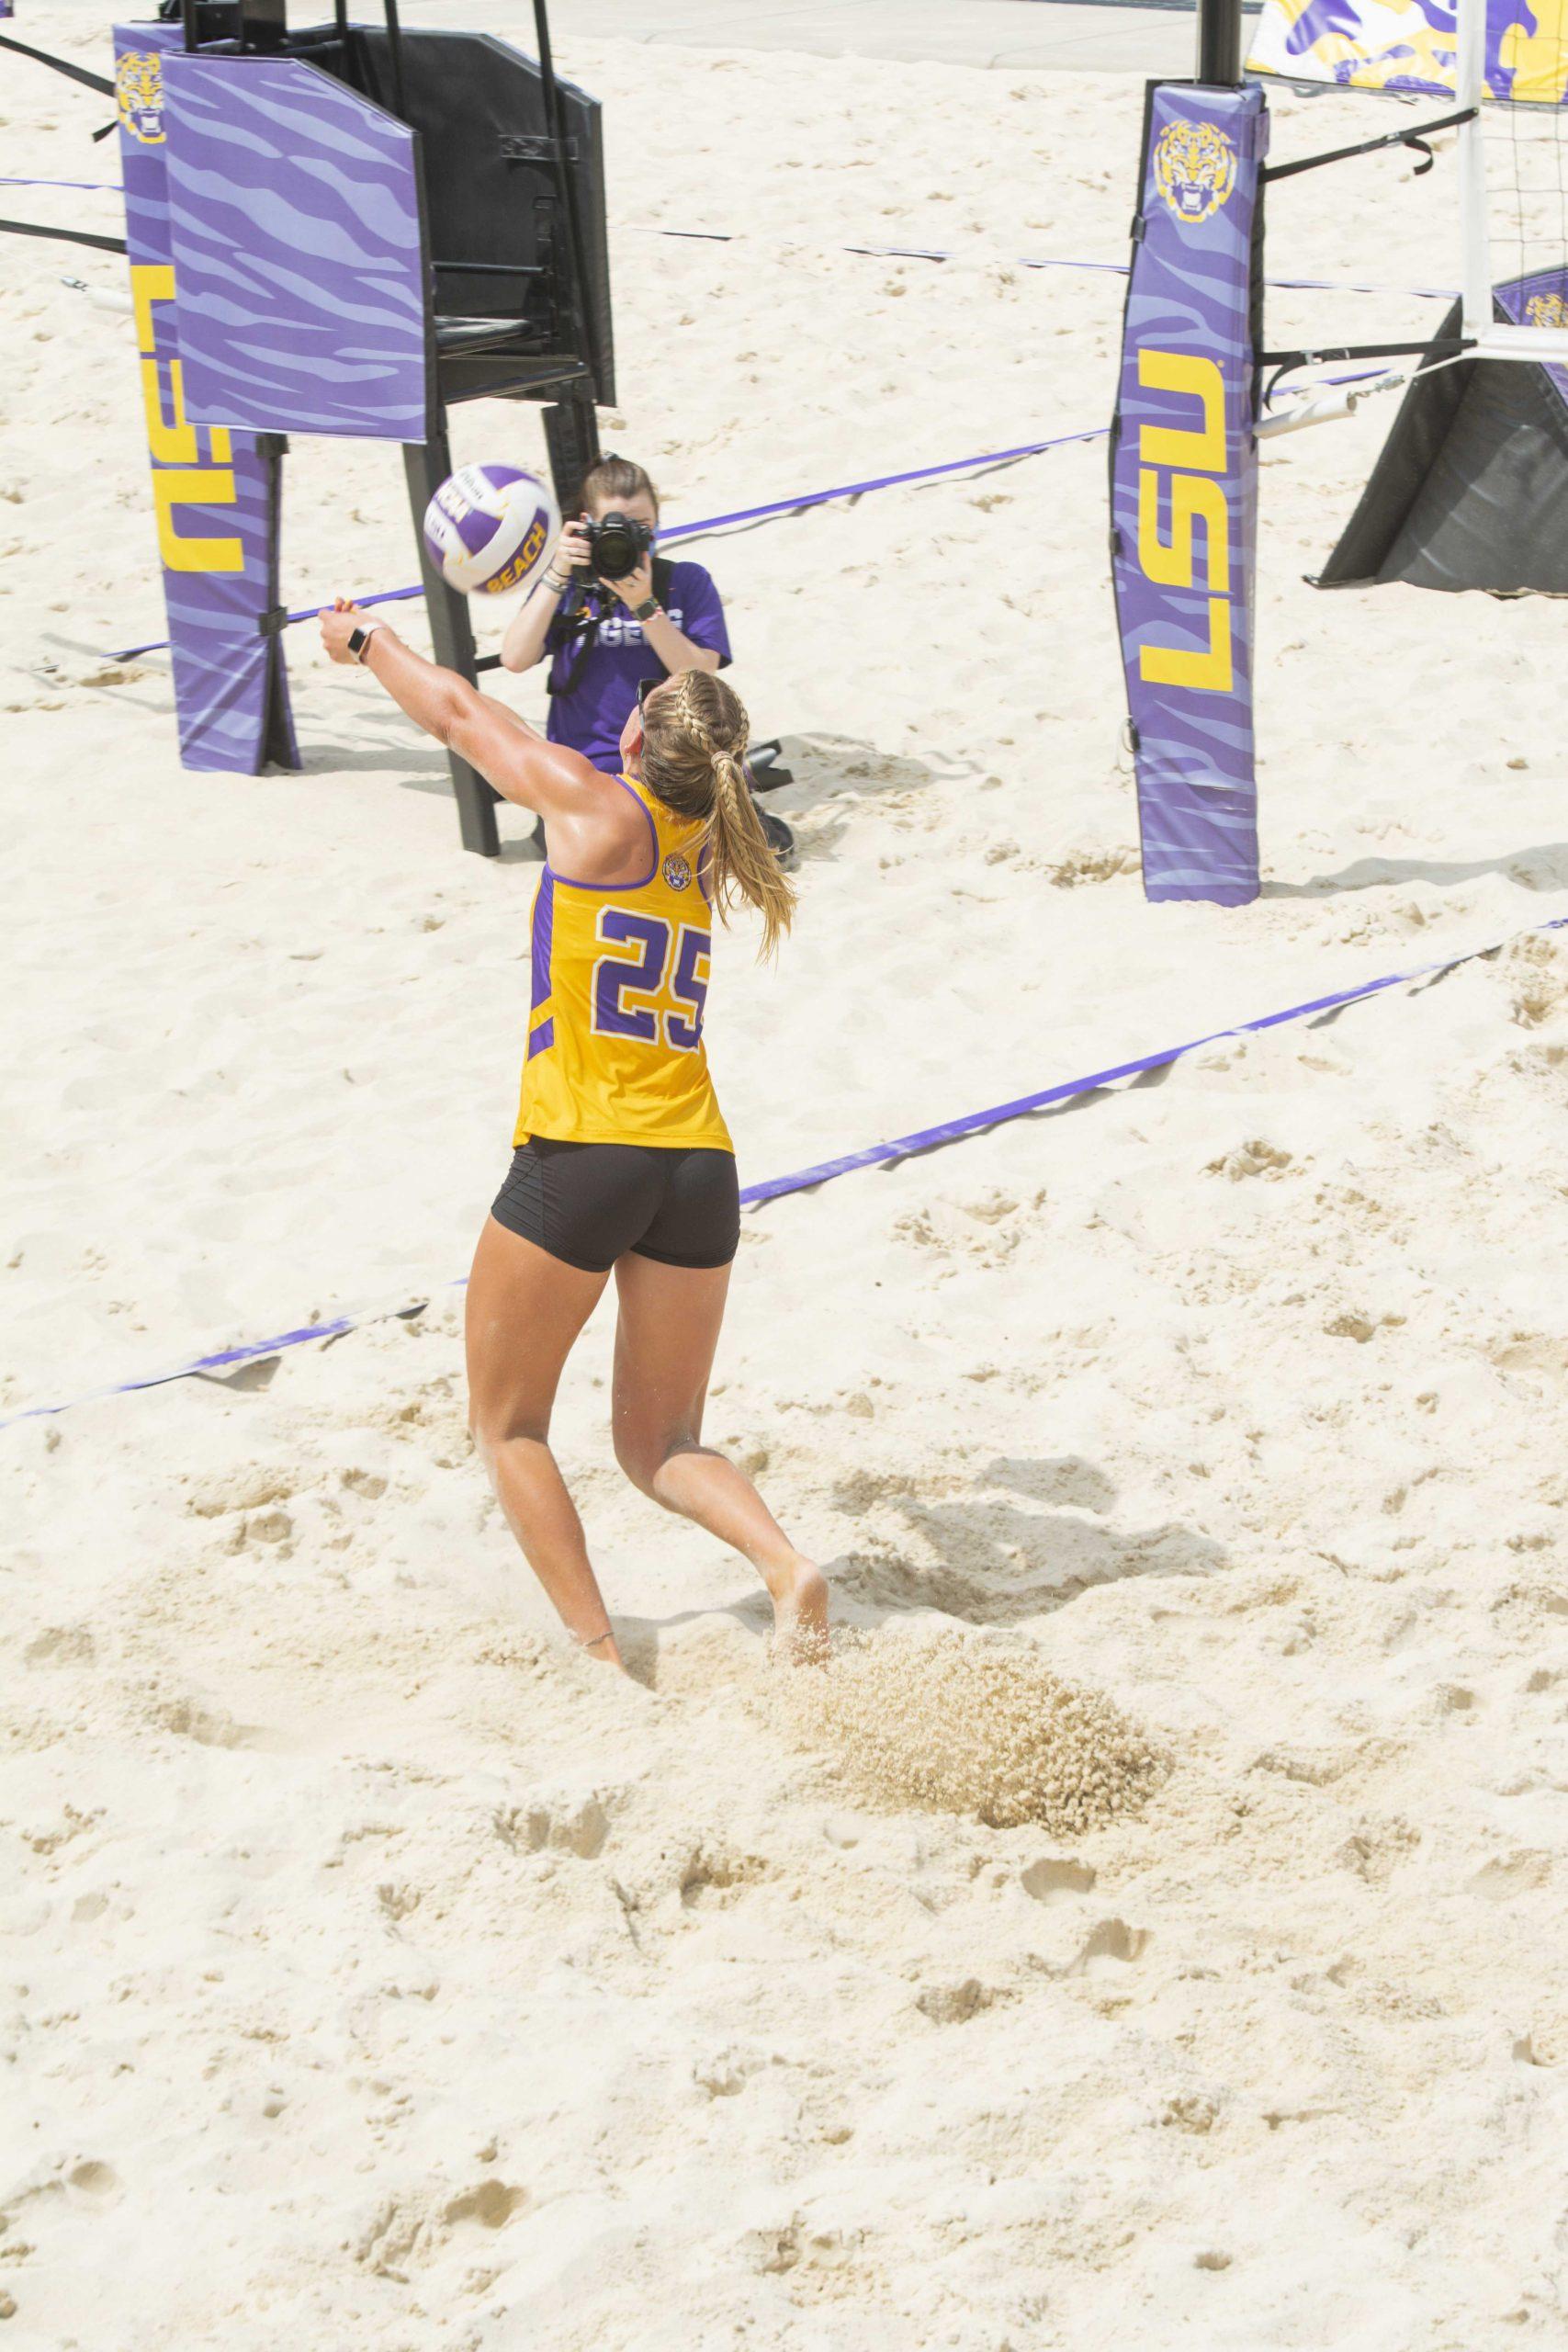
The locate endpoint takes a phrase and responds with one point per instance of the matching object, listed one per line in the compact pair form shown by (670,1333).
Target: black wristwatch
(645,610)
(358,638)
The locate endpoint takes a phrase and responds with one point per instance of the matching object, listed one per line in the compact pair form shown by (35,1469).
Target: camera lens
(618,545)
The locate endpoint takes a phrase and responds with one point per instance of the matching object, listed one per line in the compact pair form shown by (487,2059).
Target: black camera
(617,546)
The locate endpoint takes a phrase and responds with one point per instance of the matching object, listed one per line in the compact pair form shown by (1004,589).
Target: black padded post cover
(1471,488)
(478,103)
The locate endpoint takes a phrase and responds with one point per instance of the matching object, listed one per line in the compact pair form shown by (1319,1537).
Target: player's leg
(524,1311)
(665,1338)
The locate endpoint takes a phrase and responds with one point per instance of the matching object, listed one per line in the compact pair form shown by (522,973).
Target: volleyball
(488,528)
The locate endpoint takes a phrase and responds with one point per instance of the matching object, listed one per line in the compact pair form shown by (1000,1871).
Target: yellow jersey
(620,985)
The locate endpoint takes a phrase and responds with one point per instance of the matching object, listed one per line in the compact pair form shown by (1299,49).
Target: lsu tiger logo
(1194,170)
(677,872)
(1547,310)
(139,94)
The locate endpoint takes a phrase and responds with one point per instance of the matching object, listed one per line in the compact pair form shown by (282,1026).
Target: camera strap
(580,628)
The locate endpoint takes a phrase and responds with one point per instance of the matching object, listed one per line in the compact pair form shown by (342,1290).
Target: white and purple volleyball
(488,528)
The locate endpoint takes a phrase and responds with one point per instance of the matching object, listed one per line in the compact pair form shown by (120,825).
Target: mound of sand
(970,1724)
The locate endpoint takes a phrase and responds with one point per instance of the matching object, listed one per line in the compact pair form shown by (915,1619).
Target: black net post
(1218,43)
(427,465)
(572,438)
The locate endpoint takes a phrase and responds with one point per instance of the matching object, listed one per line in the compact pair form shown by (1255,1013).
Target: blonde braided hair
(695,735)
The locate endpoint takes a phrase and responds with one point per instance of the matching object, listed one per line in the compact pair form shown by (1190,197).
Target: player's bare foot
(800,1613)
(603,1647)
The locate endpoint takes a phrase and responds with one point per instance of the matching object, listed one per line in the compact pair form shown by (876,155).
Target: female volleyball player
(623,1162)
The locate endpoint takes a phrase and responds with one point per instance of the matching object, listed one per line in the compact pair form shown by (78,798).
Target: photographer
(607,630)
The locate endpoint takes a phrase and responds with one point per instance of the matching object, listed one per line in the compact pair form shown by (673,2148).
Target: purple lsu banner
(1183,491)
(215,492)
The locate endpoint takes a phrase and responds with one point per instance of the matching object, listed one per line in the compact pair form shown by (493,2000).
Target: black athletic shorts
(590,1202)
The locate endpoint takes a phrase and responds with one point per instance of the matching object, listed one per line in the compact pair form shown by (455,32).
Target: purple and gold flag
(1412,46)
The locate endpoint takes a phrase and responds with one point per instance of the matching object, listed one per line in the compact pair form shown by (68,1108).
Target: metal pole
(1469,80)
(426,465)
(547,61)
(395,53)
(1219,41)
(566,188)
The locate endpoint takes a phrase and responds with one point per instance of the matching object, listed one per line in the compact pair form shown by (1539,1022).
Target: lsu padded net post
(1471,491)
(343,231)
(1183,479)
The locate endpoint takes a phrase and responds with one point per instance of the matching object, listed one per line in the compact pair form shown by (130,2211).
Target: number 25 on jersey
(666,960)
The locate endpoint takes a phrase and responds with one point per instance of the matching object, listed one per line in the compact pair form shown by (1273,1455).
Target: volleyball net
(1507,59)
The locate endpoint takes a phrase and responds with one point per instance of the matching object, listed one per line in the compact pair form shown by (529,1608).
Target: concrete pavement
(1029,36)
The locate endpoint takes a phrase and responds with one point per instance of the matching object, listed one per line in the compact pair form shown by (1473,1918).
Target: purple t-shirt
(609,672)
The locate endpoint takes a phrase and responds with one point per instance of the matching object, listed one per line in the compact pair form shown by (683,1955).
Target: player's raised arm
(517,761)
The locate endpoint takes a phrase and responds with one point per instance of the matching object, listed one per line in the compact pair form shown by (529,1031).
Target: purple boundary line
(110,187)
(1028,261)
(767,512)
(910,253)
(876,1154)
(850,489)
(775,506)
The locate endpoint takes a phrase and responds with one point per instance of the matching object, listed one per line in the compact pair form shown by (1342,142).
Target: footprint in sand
(1056,1878)
(954,2004)
(1111,1944)
(60,1645)
(1254,1157)
(569,1825)
(209,1725)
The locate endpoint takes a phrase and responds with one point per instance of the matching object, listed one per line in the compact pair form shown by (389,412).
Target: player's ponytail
(694,749)
(743,864)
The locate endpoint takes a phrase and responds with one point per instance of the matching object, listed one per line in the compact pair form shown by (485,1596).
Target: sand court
(376,1972)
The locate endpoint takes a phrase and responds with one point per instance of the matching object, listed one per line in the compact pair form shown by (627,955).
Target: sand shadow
(1544,868)
(836,774)
(998,1560)
(1022,1552)
(524,849)
(418,769)
(407,766)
